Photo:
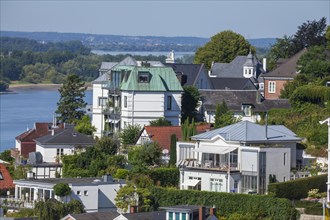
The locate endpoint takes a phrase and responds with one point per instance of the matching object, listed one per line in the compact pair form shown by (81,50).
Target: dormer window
(247,110)
(143,77)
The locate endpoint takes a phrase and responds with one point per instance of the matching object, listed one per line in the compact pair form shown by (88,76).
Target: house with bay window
(237,158)
(134,92)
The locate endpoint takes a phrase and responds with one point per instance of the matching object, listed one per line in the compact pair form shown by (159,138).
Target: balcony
(113,90)
(208,165)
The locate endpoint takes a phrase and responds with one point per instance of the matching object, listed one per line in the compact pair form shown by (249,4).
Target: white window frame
(271,87)
(102,101)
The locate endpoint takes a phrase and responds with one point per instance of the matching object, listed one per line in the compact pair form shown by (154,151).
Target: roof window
(143,77)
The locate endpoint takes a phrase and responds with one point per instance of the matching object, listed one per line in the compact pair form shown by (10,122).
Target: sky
(252,19)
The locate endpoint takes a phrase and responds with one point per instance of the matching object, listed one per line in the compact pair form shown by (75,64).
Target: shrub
(121,174)
(227,203)
(298,189)
(165,176)
(62,189)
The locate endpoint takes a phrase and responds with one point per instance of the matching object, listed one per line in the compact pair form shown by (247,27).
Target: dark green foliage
(160,122)
(173,150)
(148,154)
(188,130)
(130,134)
(223,116)
(272,178)
(54,210)
(165,176)
(227,203)
(3,86)
(62,189)
(298,189)
(71,105)
(310,94)
(6,156)
(310,33)
(107,145)
(299,80)
(223,47)
(311,207)
(84,125)
(121,174)
(189,103)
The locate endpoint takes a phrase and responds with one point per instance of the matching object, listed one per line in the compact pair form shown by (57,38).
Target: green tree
(71,104)
(223,47)
(130,134)
(3,86)
(84,125)
(173,150)
(148,154)
(189,103)
(107,145)
(160,122)
(289,87)
(327,37)
(62,190)
(223,116)
(6,156)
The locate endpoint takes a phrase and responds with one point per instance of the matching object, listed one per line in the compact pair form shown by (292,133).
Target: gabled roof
(105,66)
(161,79)
(6,181)
(128,61)
(109,215)
(40,129)
(192,71)
(234,69)
(248,132)
(288,68)
(236,98)
(67,136)
(232,83)
(162,134)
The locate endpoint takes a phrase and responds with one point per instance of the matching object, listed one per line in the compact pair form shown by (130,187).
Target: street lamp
(328,183)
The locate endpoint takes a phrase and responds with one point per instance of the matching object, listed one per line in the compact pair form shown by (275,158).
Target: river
(20,109)
(142,53)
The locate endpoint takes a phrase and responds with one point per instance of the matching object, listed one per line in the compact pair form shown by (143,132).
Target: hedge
(165,176)
(227,203)
(298,189)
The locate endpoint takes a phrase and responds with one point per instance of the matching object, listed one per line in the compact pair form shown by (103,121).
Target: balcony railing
(207,164)
(16,203)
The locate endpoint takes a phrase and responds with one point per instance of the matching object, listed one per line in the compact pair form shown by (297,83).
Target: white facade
(143,107)
(204,165)
(100,97)
(252,117)
(52,153)
(95,194)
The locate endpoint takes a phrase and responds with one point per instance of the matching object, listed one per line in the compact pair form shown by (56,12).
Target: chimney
(133,209)
(201,213)
(264,64)
(213,211)
(107,178)
(53,132)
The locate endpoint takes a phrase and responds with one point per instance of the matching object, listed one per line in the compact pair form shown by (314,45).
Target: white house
(237,158)
(134,92)
(96,194)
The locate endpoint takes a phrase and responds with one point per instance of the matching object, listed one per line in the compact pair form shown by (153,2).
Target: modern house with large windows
(135,93)
(237,158)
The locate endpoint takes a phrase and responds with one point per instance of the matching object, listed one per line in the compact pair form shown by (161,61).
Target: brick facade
(278,87)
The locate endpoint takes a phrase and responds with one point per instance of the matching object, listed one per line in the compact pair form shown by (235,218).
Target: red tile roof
(6,181)
(162,134)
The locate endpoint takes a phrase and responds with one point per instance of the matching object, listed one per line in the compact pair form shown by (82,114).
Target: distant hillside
(127,43)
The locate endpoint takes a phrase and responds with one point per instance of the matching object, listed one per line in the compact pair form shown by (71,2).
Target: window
(271,87)
(86,192)
(143,77)
(284,159)
(215,185)
(59,152)
(102,101)
(1,176)
(184,216)
(125,101)
(247,110)
(284,179)
(177,215)
(169,102)
(170,216)
(79,193)
(261,86)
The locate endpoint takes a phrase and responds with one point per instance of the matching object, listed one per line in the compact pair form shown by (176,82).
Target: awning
(215,149)
(192,182)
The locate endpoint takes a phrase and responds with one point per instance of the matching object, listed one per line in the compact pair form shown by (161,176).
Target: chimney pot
(133,209)
(201,213)
(213,211)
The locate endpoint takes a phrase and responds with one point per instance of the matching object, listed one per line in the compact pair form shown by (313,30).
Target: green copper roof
(159,79)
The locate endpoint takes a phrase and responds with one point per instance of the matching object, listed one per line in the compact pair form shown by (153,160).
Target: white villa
(237,158)
(96,194)
(133,92)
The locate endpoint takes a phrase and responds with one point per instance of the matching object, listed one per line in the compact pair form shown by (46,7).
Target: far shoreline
(19,87)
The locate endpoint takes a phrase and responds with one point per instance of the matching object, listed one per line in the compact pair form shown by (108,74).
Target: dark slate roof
(192,71)
(236,98)
(233,83)
(128,61)
(107,66)
(248,132)
(110,215)
(156,215)
(234,69)
(103,78)
(66,136)
(288,68)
